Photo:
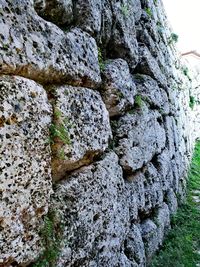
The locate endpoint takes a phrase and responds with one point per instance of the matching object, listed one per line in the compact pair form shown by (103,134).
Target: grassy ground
(183,242)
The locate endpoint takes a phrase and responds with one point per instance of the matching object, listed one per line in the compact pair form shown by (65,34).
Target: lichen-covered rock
(118,87)
(123,43)
(34,48)
(147,189)
(88,15)
(164,167)
(171,201)
(153,231)
(149,90)
(25,173)
(134,246)
(93,204)
(140,136)
(149,66)
(57,11)
(83,128)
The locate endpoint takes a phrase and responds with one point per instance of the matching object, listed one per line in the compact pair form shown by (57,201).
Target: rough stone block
(34,48)
(93,203)
(59,12)
(25,173)
(118,87)
(140,137)
(82,122)
(149,90)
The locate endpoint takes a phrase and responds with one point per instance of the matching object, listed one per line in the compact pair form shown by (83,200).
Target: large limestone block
(149,90)
(140,136)
(96,218)
(59,12)
(34,48)
(123,41)
(88,15)
(118,87)
(134,246)
(147,189)
(149,66)
(82,122)
(154,230)
(25,173)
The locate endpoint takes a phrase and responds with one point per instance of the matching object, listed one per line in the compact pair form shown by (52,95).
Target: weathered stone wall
(98,118)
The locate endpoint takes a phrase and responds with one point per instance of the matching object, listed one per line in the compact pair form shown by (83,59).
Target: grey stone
(57,11)
(164,167)
(134,246)
(149,66)
(96,220)
(88,15)
(149,90)
(82,122)
(41,51)
(140,137)
(147,189)
(123,43)
(118,87)
(171,201)
(25,176)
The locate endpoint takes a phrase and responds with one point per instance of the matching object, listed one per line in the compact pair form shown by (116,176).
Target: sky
(184,17)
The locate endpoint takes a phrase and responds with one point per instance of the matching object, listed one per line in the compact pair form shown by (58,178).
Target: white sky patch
(184,17)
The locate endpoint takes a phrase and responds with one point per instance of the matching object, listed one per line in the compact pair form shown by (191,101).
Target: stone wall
(98,118)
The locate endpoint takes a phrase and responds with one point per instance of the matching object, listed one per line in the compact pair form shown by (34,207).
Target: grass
(51,235)
(181,245)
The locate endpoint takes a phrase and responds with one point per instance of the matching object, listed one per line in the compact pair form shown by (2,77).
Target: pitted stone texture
(134,246)
(153,231)
(93,203)
(57,11)
(118,87)
(164,167)
(149,66)
(140,136)
(170,134)
(171,201)
(25,172)
(147,189)
(86,120)
(34,48)
(149,90)
(88,15)
(123,43)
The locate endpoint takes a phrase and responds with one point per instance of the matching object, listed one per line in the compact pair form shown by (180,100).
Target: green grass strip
(182,244)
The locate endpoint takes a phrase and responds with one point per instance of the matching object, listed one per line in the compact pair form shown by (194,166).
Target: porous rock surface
(113,125)
(43,52)
(84,115)
(25,173)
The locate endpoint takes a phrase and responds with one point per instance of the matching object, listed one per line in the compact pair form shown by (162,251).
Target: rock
(162,220)
(57,11)
(147,190)
(123,43)
(118,87)
(93,203)
(134,246)
(171,201)
(41,51)
(88,15)
(150,237)
(140,136)
(148,65)
(149,90)
(169,128)
(153,231)
(25,175)
(83,128)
